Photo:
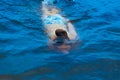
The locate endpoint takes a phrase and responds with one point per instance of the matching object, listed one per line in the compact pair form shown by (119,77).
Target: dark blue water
(24,54)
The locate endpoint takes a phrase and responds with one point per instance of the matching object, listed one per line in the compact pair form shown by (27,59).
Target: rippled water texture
(24,54)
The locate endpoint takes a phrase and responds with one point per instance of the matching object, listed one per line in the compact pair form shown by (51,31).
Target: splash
(51,10)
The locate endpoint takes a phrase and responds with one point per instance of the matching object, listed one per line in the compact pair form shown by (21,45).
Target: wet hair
(61,33)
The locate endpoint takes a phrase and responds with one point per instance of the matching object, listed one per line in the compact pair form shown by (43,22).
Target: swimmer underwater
(59,30)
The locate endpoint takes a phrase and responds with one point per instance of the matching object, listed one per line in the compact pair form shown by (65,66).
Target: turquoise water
(24,54)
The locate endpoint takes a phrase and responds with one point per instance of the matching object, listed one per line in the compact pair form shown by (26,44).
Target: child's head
(61,33)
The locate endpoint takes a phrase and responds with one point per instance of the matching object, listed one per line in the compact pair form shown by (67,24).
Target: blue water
(24,54)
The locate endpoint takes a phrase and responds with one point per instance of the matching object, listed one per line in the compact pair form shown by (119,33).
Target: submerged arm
(71,29)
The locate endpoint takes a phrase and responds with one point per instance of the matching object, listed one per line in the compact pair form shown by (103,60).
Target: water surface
(24,54)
